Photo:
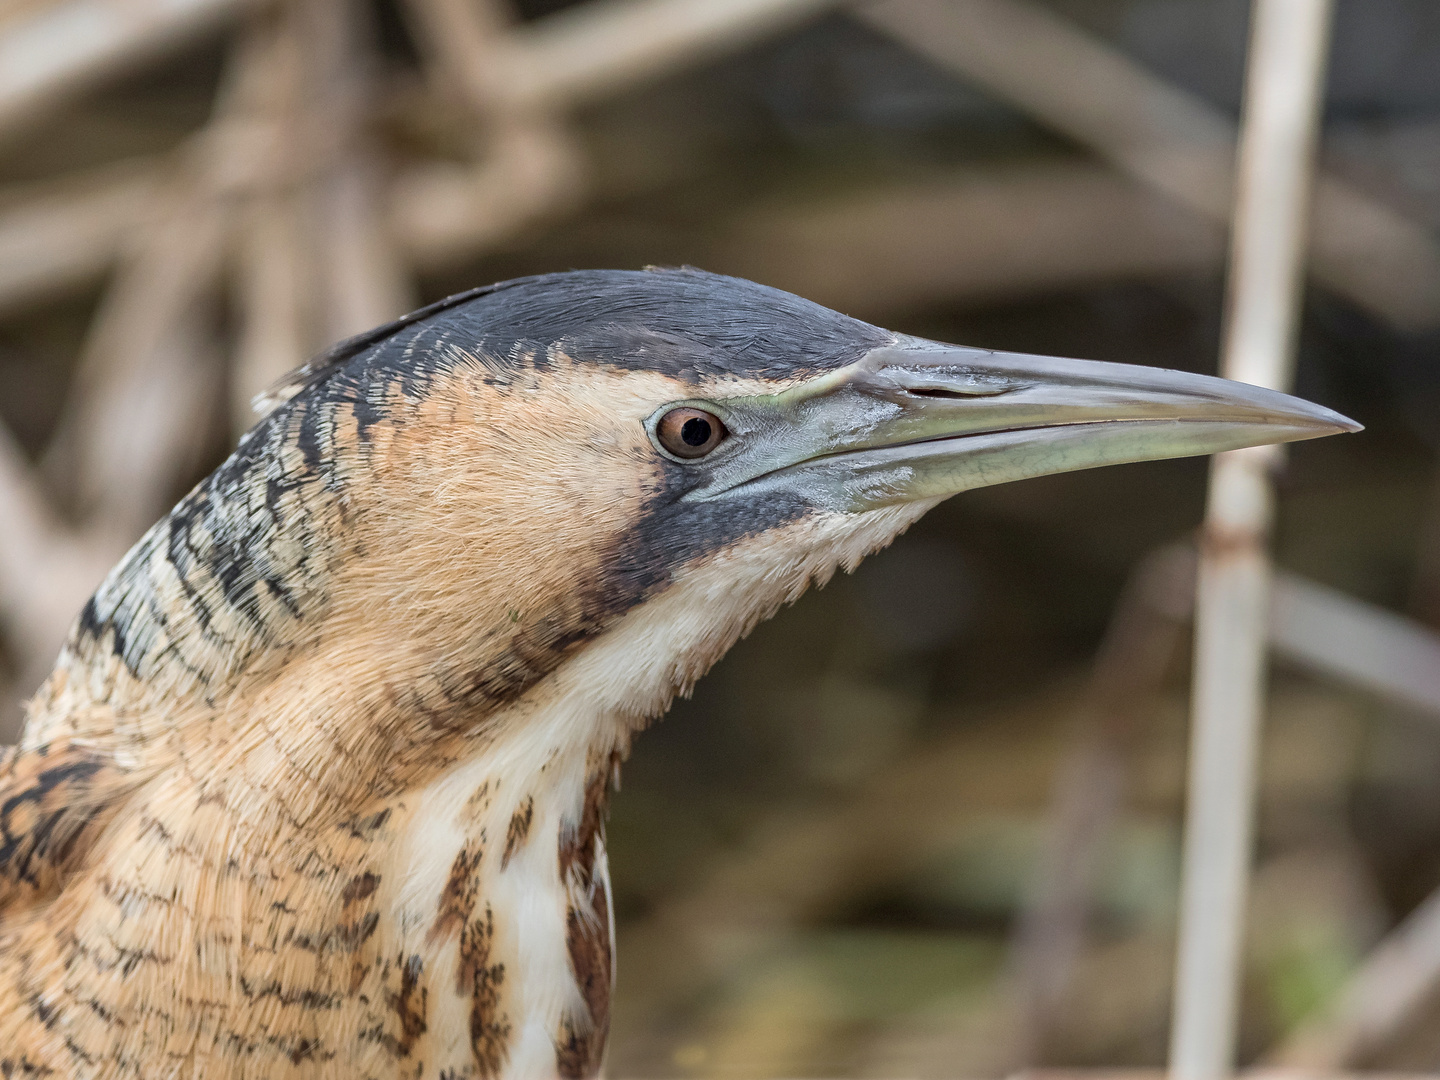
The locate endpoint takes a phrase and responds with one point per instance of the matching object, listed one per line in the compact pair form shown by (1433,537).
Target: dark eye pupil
(695,431)
(688,433)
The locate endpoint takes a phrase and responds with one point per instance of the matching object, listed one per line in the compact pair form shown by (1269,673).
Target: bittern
(318,783)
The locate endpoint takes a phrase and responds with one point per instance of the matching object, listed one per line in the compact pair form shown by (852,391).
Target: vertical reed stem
(1283,97)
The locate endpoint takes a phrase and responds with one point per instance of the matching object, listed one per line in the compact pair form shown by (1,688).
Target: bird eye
(689,433)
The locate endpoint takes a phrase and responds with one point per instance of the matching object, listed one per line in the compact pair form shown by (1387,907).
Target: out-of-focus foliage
(819,860)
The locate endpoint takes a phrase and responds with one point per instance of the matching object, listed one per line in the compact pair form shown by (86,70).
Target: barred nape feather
(319,368)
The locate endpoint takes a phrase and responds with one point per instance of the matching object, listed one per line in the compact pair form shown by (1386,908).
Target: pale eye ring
(688,432)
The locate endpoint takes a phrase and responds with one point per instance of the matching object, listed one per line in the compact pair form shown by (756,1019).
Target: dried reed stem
(1283,99)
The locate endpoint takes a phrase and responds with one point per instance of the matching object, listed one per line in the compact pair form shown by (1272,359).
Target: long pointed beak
(920,420)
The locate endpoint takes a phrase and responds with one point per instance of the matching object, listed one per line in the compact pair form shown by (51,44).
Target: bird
(318,784)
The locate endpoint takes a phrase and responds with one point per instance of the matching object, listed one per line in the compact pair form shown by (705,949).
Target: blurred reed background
(926,823)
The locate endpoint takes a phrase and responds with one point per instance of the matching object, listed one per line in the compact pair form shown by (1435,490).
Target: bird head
(630,466)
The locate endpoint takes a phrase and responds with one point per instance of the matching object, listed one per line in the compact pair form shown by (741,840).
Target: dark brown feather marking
(519,830)
(457,898)
(52,800)
(477,977)
(408,1004)
(361,887)
(489,1027)
(580,1047)
(577,841)
(23,1066)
